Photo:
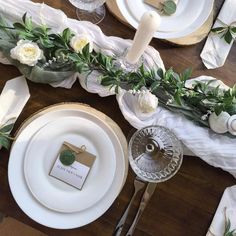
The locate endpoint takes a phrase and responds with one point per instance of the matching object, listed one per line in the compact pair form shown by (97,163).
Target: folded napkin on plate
(13,98)
(216,48)
(225,212)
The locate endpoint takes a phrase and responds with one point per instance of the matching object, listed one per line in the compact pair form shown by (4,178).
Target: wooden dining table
(184,205)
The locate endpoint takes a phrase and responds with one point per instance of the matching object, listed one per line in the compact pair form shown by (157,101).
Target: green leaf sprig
(55,46)
(5,138)
(228,231)
(168,7)
(168,86)
(228,33)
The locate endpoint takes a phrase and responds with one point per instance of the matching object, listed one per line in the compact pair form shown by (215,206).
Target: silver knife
(138,185)
(145,199)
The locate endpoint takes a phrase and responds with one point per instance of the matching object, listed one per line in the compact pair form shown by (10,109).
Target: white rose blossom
(27,52)
(147,102)
(79,41)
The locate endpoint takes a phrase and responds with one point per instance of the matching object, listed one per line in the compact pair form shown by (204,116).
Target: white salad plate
(42,152)
(189,16)
(26,134)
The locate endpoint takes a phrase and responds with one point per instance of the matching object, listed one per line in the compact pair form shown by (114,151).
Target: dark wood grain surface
(184,205)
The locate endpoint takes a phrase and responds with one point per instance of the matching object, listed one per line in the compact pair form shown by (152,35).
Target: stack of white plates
(190,15)
(49,201)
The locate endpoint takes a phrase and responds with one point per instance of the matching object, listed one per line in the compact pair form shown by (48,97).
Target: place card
(72,165)
(154,3)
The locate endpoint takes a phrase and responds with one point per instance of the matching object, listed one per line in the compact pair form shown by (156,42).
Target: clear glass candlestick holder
(125,65)
(90,10)
(155,154)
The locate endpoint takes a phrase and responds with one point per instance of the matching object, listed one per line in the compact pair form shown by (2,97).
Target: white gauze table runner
(217,150)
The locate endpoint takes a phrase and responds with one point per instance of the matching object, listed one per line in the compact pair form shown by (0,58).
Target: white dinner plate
(43,150)
(189,16)
(22,194)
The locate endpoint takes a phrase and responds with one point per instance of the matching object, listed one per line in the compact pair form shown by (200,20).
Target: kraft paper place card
(72,165)
(154,3)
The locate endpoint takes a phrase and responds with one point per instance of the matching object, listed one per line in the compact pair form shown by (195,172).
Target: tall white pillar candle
(148,25)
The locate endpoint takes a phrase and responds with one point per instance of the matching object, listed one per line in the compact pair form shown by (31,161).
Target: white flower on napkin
(78,42)
(147,102)
(27,52)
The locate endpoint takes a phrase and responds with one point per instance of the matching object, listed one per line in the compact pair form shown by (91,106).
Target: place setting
(69,162)
(183,22)
(56,189)
(36,163)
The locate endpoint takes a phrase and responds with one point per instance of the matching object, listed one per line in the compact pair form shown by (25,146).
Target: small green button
(67,157)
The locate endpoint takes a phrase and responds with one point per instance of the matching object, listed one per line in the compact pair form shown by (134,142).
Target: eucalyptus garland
(60,60)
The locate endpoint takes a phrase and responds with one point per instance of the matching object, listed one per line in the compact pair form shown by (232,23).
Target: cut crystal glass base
(155,153)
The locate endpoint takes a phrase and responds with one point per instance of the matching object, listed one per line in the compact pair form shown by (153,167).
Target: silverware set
(138,185)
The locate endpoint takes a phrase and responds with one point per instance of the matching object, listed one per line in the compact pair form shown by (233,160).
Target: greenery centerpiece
(45,57)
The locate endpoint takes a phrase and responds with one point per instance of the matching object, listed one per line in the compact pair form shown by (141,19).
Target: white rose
(147,101)
(78,42)
(27,52)
(219,124)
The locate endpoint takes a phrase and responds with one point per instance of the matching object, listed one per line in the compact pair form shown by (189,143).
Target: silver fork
(150,189)
(138,185)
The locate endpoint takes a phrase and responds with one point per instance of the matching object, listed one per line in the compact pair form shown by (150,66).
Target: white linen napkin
(13,98)
(225,210)
(216,49)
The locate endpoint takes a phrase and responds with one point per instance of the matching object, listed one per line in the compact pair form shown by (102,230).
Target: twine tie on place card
(73,164)
(81,154)
(78,150)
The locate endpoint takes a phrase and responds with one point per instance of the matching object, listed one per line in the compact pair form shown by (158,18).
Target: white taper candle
(149,23)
